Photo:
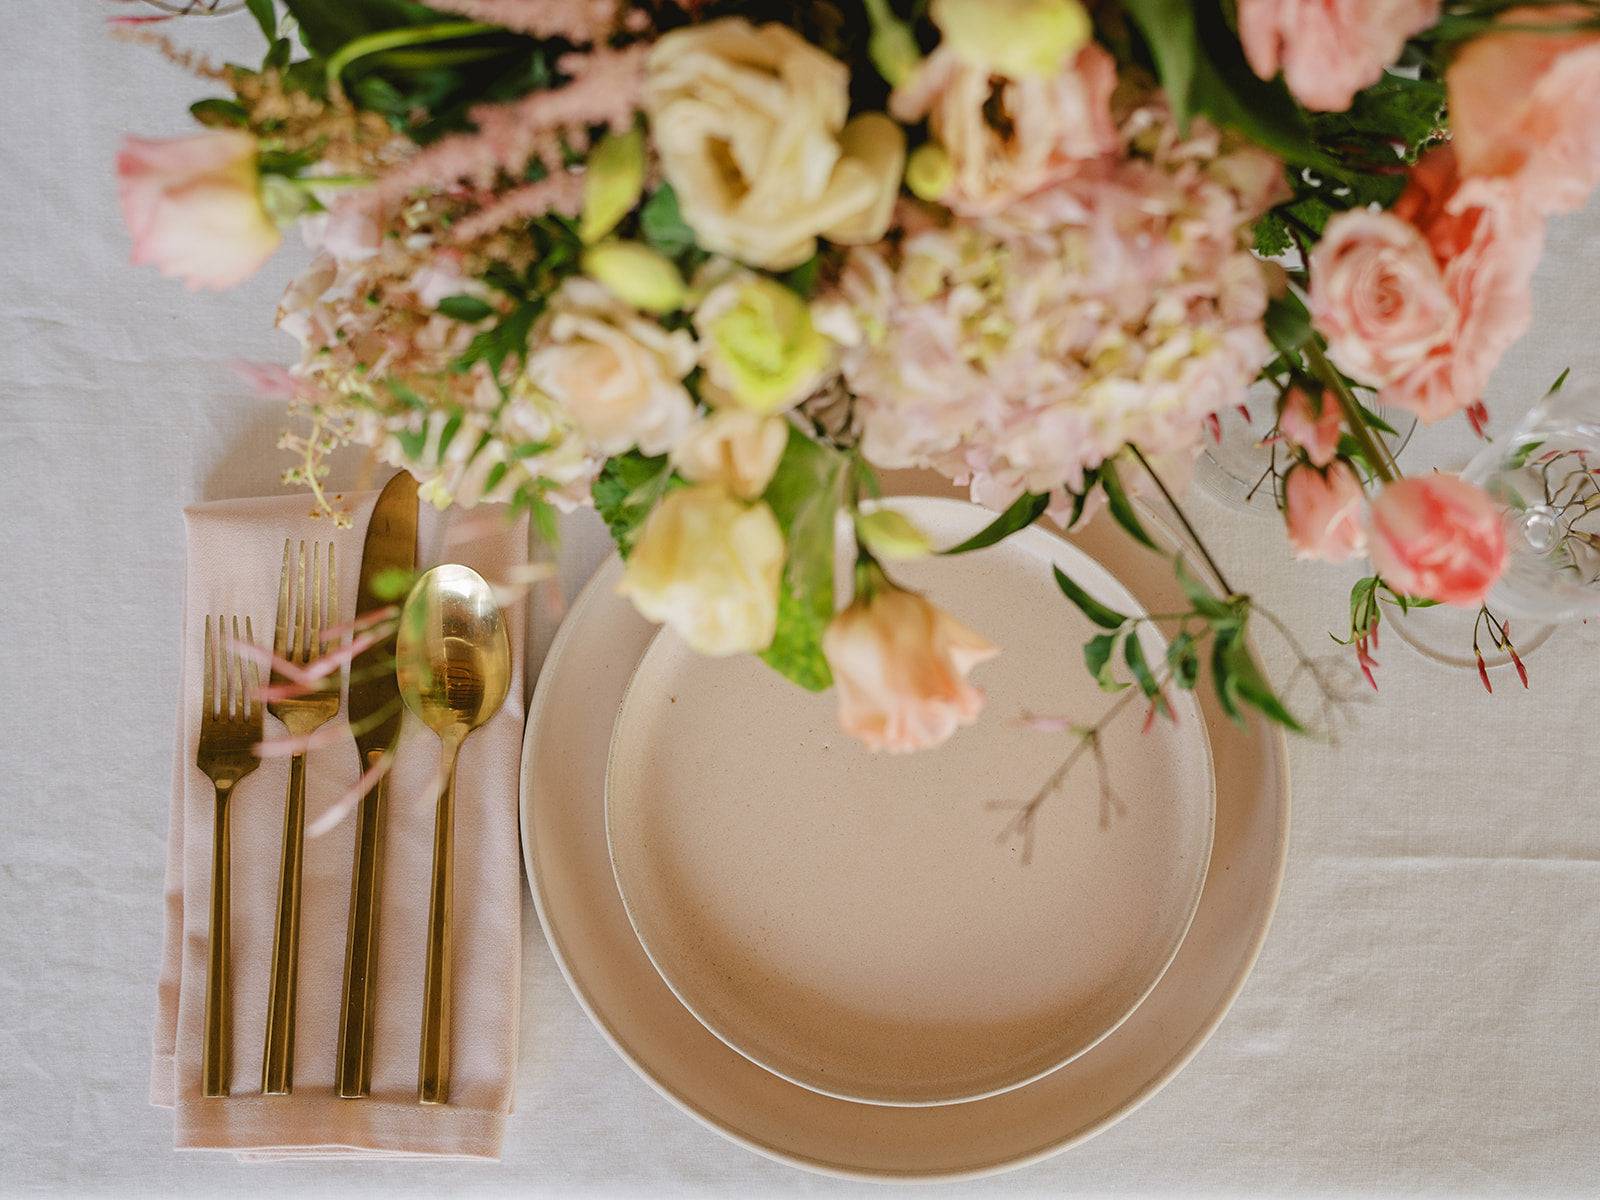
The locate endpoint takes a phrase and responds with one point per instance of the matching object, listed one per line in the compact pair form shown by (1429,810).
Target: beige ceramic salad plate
(579,904)
(863,924)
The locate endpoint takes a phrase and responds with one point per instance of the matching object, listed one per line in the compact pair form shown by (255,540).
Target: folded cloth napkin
(235,553)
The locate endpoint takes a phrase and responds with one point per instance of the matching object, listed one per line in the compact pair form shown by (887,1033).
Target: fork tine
(330,600)
(314,617)
(253,692)
(280,635)
(208,678)
(235,677)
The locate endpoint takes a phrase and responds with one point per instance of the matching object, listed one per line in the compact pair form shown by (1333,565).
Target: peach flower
(1438,537)
(1378,296)
(194,208)
(1322,510)
(1525,107)
(734,447)
(1329,50)
(1007,138)
(1315,433)
(900,665)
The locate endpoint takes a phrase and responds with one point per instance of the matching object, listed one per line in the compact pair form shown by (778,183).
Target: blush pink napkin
(235,552)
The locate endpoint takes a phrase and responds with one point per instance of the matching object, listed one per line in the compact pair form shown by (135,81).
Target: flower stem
(1372,448)
(390,39)
(1183,518)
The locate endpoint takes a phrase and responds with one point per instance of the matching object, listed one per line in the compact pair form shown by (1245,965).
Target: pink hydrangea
(1121,305)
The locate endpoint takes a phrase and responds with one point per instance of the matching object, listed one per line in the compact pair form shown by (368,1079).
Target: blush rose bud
(193,206)
(900,666)
(1322,509)
(1315,432)
(1438,537)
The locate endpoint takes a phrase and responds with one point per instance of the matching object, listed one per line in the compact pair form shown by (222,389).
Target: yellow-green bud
(929,171)
(891,45)
(764,349)
(891,535)
(1020,39)
(636,274)
(613,181)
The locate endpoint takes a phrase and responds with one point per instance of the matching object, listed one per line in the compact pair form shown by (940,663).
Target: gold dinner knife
(375,708)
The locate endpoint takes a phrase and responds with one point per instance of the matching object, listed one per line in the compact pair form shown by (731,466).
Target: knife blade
(375,712)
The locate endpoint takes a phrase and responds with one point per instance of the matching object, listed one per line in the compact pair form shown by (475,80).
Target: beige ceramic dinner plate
(866,924)
(581,910)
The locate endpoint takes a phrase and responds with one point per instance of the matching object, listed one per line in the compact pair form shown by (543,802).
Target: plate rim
(1052,554)
(1276,742)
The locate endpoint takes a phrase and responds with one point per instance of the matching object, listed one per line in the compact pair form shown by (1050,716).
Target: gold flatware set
(449,663)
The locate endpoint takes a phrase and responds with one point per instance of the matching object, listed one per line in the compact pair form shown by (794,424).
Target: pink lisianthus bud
(1317,433)
(193,207)
(1322,509)
(1329,50)
(900,665)
(1438,537)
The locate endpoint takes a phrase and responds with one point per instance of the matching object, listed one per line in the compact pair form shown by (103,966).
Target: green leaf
(1023,511)
(266,15)
(663,225)
(1519,457)
(1271,235)
(278,55)
(1133,651)
(1288,323)
(1183,660)
(803,279)
(625,491)
(326,25)
(1561,381)
(1254,689)
(1205,603)
(216,112)
(393,583)
(466,308)
(1222,672)
(1080,498)
(1363,606)
(1168,29)
(1395,109)
(1121,507)
(804,496)
(1097,653)
(1102,615)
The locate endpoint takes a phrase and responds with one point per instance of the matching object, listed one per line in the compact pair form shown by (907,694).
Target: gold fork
(307,600)
(230,726)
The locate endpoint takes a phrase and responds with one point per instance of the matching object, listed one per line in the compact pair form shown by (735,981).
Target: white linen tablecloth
(1425,1016)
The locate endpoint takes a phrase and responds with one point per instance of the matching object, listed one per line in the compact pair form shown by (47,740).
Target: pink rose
(193,207)
(1438,537)
(1525,107)
(1315,433)
(1378,296)
(900,666)
(1329,50)
(1322,510)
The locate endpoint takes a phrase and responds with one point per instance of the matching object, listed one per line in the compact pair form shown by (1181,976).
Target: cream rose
(733,447)
(708,565)
(750,125)
(618,375)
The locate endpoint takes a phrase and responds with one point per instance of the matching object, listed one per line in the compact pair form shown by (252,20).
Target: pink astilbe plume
(560,193)
(575,20)
(603,90)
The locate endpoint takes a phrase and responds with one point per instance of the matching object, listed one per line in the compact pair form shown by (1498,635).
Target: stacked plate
(853,962)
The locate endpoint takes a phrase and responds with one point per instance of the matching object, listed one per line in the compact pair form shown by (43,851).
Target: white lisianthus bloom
(750,123)
(708,565)
(733,447)
(617,373)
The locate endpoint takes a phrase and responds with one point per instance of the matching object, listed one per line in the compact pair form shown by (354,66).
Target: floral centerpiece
(709,266)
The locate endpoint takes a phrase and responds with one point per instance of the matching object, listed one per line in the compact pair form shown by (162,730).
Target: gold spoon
(453,662)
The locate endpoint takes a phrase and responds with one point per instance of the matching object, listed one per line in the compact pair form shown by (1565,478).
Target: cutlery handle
(359,1003)
(277,1058)
(216,1055)
(433,1068)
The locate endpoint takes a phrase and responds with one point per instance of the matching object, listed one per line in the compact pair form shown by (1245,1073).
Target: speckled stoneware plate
(863,924)
(580,908)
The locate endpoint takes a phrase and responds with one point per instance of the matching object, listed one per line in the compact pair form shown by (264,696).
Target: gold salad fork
(230,726)
(307,601)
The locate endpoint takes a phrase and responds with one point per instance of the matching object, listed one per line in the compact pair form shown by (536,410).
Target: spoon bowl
(453,664)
